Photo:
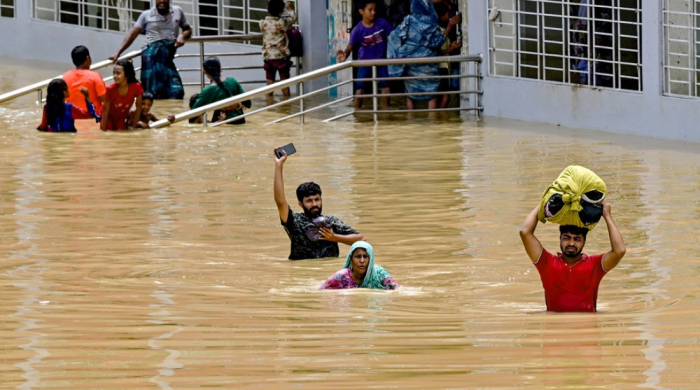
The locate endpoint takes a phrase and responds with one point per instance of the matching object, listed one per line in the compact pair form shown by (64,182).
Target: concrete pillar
(314,27)
(653,50)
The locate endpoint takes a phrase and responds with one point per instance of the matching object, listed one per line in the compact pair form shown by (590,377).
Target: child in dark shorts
(275,48)
(371,36)
(281,65)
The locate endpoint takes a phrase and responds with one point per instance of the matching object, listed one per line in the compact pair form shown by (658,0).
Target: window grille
(681,47)
(584,42)
(7,8)
(207,17)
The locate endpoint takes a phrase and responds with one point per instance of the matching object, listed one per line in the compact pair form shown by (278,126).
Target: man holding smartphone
(297,225)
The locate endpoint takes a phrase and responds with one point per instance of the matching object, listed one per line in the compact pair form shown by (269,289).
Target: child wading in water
(58,115)
(146,116)
(120,97)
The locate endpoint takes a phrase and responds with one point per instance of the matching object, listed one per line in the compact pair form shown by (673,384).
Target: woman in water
(58,115)
(220,90)
(360,271)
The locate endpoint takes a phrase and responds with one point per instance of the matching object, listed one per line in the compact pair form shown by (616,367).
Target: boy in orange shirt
(82,76)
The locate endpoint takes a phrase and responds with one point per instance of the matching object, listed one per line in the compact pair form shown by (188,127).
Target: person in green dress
(219,90)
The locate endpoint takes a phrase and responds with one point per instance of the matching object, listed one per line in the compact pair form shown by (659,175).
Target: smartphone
(289,148)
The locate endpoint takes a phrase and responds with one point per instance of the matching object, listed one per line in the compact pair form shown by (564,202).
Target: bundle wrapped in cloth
(574,198)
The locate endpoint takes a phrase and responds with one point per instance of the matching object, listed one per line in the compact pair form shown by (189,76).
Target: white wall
(646,113)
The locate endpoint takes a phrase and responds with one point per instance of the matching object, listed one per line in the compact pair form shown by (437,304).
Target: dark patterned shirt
(302,247)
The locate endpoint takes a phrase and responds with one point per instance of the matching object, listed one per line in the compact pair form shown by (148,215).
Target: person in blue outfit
(419,35)
(371,36)
(59,116)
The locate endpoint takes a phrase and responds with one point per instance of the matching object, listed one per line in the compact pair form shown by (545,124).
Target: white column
(652,51)
(313,24)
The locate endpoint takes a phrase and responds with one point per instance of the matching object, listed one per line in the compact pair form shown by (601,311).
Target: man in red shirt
(571,278)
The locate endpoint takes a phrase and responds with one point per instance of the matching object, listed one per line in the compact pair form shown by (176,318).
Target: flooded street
(155,259)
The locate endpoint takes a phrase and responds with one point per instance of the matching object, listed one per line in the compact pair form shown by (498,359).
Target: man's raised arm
(127,42)
(533,247)
(280,199)
(612,258)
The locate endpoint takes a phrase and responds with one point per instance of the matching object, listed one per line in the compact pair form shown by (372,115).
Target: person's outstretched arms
(280,199)
(127,42)
(533,247)
(612,258)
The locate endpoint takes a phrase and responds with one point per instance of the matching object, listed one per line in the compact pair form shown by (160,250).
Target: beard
(313,212)
(570,256)
(163,11)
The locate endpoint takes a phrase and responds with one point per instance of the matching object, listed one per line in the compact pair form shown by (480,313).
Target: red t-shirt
(572,288)
(119,106)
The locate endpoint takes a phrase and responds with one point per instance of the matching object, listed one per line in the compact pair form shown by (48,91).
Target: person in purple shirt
(371,35)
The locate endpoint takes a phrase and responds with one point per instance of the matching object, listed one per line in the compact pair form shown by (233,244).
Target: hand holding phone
(288,148)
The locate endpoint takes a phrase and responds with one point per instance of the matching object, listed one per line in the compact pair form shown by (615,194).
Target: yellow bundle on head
(574,198)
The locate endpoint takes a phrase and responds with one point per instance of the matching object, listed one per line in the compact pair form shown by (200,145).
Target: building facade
(624,66)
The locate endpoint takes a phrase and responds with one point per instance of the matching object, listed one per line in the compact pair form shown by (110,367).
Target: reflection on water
(169,364)
(156,259)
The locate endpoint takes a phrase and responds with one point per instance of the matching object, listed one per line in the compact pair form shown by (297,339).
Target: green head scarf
(375,274)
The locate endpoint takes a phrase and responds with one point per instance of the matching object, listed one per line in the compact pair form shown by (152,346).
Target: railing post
(201,64)
(204,120)
(375,99)
(464,83)
(298,67)
(478,89)
(301,102)
(40,92)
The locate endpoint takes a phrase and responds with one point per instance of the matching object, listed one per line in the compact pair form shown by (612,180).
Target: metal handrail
(300,79)
(37,87)
(226,38)
(42,84)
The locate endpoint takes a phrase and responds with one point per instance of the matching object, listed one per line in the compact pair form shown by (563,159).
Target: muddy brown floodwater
(155,259)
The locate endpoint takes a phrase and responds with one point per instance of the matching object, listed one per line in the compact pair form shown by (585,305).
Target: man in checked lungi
(161,25)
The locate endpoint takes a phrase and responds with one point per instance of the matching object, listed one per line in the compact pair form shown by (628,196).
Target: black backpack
(295,42)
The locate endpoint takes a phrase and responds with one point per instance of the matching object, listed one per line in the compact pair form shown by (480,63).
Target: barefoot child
(58,115)
(120,97)
(146,115)
(275,48)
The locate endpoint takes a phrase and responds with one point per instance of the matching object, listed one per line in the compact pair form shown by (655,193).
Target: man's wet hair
(275,7)
(308,189)
(571,229)
(79,54)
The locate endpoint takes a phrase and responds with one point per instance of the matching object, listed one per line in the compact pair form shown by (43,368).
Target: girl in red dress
(120,97)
